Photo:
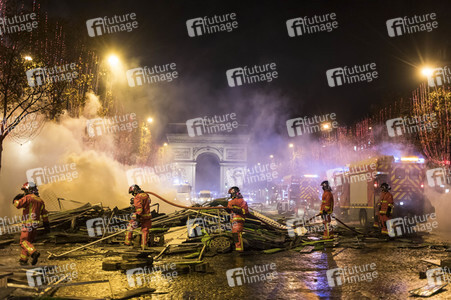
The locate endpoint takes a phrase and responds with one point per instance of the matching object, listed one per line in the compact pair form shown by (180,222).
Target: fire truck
(302,194)
(356,187)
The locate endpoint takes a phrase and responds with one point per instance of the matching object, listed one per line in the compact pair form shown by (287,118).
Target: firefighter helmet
(134,189)
(325,185)
(234,191)
(29,188)
(385,187)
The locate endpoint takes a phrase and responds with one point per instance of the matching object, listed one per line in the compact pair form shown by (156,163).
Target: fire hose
(182,206)
(260,217)
(346,226)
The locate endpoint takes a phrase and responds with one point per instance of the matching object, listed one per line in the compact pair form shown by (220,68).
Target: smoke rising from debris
(100,178)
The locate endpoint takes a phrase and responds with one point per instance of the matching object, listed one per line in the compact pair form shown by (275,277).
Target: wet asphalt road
(298,276)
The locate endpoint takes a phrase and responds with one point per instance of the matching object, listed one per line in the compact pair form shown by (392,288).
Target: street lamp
(165,144)
(271,156)
(326,126)
(291,145)
(149,120)
(28,57)
(426,71)
(113,61)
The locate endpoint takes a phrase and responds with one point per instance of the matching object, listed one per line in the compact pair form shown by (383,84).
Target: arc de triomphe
(229,149)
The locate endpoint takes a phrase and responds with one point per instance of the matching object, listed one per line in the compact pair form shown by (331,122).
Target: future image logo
(109,125)
(209,25)
(349,275)
(439,77)
(100,226)
(334,277)
(259,172)
(253,74)
(415,124)
(211,125)
(18,23)
(165,173)
(41,76)
(249,275)
(45,276)
(436,177)
(301,226)
(407,25)
(36,77)
(309,25)
(307,125)
(348,75)
(411,224)
(109,25)
(57,173)
(396,227)
(139,276)
(150,75)
(210,225)
(438,276)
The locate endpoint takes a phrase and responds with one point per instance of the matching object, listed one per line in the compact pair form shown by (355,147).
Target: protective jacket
(33,209)
(142,206)
(327,203)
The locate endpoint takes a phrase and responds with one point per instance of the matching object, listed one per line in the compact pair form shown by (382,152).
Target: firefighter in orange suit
(386,207)
(327,208)
(377,217)
(33,210)
(141,217)
(238,207)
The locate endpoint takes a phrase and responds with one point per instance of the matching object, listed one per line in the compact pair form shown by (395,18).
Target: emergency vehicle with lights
(301,194)
(356,187)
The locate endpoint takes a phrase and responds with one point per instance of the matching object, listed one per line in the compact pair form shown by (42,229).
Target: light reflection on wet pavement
(299,276)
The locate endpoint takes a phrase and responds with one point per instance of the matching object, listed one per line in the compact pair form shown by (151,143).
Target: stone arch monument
(230,150)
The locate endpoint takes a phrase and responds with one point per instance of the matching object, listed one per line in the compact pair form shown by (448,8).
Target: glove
(46,227)
(18,197)
(389,211)
(237,211)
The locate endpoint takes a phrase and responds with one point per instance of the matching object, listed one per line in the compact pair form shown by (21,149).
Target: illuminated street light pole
(110,68)
(292,157)
(427,72)
(145,146)
(113,61)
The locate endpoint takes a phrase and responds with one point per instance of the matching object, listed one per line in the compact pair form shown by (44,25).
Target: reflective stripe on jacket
(33,209)
(386,202)
(241,204)
(327,203)
(142,206)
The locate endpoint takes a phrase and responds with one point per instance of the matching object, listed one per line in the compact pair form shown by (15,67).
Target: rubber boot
(35,257)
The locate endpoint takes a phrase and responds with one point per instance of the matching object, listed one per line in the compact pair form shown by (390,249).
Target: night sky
(301,88)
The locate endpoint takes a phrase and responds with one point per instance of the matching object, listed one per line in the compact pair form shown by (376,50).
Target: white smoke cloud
(101,179)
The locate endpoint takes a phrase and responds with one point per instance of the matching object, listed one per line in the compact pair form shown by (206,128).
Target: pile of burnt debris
(184,237)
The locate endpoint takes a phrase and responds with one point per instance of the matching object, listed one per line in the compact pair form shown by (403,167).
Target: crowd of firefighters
(34,211)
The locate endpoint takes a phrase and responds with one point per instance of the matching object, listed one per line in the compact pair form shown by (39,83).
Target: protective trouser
(383,222)
(327,228)
(27,237)
(237,233)
(145,225)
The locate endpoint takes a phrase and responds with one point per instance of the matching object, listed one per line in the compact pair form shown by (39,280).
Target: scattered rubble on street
(184,240)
